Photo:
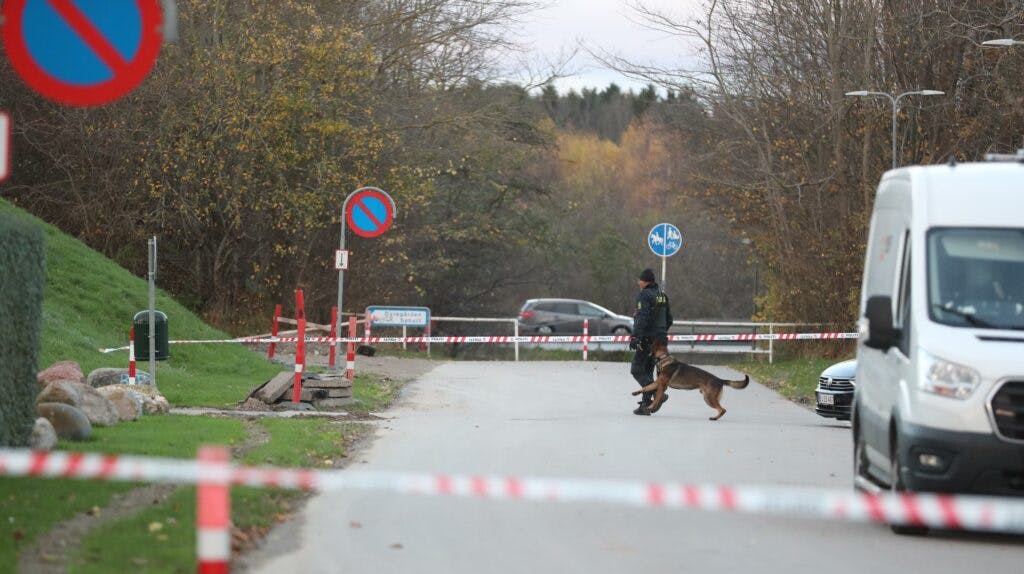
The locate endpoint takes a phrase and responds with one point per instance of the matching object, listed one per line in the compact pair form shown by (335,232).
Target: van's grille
(835,384)
(1008,410)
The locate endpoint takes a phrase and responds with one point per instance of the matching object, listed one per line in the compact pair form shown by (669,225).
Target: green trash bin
(141,324)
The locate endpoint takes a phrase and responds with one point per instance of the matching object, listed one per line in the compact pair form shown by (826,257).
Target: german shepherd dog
(679,375)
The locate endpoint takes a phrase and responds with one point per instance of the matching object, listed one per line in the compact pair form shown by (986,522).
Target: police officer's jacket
(653,315)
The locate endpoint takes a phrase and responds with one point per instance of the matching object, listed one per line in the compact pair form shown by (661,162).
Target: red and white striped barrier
(131,356)
(273,331)
(300,347)
(350,355)
(978,513)
(213,511)
(523,339)
(332,351)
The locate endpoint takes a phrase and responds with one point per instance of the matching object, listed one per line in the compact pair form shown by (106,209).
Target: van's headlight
(950,379)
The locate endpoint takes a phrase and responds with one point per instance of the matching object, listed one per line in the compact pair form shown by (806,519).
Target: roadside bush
(22,280)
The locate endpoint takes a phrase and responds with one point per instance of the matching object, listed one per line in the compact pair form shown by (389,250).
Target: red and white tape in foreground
(980,513)
(527,339)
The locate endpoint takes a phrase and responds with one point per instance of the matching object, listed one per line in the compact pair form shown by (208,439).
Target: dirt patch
(51,551)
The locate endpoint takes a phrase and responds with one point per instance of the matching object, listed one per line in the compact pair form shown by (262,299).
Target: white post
(586,337)
(771,343)
(515,325)
(404,335)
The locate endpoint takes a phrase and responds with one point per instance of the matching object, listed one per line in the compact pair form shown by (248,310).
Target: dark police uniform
(651,320)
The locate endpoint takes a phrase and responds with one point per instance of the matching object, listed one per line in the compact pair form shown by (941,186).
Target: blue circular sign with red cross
(370,211)
(82,52)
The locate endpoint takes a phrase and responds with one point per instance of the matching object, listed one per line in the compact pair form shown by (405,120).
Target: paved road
(573,420)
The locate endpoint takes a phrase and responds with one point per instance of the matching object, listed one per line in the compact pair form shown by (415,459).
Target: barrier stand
(425,345)
(350,358)
(273,331)
(131,356)
(300,345)
(334,335)
(586,335)
(213,511)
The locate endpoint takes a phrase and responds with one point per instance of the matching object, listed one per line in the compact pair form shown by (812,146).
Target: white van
(939,405)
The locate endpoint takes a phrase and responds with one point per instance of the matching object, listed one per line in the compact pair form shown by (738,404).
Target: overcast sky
(609,24)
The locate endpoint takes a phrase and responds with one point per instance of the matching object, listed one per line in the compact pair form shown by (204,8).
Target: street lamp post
(895,100)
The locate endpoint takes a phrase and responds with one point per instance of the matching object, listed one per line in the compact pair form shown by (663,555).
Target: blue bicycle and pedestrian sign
(665,240)
(82,52)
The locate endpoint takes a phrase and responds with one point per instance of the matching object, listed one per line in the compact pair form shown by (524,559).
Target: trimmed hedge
(22,280)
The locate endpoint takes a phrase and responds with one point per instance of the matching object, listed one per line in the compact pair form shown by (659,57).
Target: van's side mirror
(881,334)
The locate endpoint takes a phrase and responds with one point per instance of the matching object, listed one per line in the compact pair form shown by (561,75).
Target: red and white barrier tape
(981,513)
(522,339)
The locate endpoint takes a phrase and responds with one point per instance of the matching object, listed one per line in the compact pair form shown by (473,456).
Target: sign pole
(5,145)
(152,309)
(664,251)
(341,272)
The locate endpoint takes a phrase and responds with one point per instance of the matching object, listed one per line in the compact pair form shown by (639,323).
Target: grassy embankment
(89,304)
(794,377)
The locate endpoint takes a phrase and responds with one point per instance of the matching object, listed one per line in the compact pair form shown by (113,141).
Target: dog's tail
(739,384)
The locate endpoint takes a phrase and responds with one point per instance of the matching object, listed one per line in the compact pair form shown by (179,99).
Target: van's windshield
(976,277)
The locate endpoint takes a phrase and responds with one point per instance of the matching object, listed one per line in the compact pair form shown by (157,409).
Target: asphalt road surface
(574,420)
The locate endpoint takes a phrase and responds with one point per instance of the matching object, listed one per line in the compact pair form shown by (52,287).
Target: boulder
(152,401)
(127,402)
(44,437)
(157,405)
(69,422)
(98,408)
(60,371)
(106,376)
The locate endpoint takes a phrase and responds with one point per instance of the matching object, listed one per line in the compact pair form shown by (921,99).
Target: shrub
(22,280)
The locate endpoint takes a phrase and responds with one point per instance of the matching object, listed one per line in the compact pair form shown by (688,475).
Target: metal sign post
(5,145)
(371,213)
(152,309)
(665,241)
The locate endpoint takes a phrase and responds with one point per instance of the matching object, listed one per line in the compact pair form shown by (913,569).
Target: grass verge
(162,538)
(794,378)
(32,506)
(372,393)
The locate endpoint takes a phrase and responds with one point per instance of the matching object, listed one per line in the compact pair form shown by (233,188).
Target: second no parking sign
(82,52)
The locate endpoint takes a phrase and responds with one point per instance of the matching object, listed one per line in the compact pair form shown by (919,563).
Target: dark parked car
(835,390)
(565,316)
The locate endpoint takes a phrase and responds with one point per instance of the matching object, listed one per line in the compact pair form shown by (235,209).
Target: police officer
(651,321)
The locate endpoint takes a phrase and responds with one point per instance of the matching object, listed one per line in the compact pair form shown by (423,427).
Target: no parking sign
(82,52)
(369,211)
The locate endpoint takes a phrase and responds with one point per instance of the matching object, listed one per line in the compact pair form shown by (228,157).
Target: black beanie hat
(647,275)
